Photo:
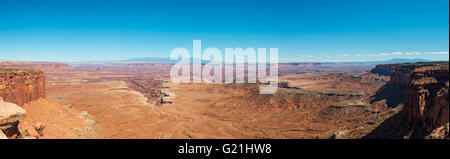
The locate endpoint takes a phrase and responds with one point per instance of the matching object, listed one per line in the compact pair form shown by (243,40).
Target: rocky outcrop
(426,100)
(10,114)
(21,86)
(439,133)
(32,131)
(424,87)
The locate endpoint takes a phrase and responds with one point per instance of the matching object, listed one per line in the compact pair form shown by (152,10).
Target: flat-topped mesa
(427,97)
(21,86)
(383,70)
(401,73)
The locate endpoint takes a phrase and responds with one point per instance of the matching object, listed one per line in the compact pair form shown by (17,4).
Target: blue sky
(310,30)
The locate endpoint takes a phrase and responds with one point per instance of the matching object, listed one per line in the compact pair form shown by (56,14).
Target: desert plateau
(139,101)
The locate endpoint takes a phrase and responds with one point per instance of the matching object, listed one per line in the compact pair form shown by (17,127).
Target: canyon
(314,100)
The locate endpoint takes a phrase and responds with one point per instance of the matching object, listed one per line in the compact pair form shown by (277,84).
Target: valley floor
(111,110)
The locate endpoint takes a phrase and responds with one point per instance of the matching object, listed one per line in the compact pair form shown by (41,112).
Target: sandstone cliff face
(422,89)
(427,97)
(21,86)
(400,74)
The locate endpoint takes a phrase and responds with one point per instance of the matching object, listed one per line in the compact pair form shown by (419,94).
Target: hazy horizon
(130,60)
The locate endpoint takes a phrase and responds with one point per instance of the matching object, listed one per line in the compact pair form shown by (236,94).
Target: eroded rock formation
(427,97)
(21,86)
(422,89)
(150,89)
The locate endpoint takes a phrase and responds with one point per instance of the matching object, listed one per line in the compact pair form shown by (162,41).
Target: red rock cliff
(21,86)
(427,97)
(401,73)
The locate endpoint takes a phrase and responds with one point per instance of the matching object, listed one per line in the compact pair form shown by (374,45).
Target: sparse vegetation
(23,135)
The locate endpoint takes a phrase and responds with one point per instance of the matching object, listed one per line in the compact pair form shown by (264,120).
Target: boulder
(10,112)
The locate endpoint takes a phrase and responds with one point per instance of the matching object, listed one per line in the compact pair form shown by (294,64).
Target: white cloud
(436,53)
(412,53)
(397,53)
(383,54)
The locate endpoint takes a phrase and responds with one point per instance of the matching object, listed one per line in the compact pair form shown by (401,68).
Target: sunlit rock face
(21,86)
(427,97)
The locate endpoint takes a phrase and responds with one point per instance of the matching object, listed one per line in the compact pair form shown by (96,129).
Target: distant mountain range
(151,60)
(392,61)
(168,60)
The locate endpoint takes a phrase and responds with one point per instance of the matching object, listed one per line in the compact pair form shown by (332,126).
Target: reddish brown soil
(59,121)
(135,100)
(120,99)
(124,101)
